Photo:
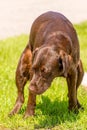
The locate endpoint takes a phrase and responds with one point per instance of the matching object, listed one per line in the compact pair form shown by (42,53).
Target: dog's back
(50,22)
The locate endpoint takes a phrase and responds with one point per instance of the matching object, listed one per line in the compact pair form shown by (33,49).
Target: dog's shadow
(53,113)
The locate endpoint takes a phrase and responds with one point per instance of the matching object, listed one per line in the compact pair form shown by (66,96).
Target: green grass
(82,35)
(52,106)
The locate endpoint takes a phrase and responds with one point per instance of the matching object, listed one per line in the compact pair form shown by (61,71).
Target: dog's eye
(43,70)
(45,73)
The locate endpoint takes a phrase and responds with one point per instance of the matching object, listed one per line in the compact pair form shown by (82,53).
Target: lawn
(51,110)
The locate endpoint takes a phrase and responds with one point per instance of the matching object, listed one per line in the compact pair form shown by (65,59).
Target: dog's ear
(64,62)
(62,66)
(60,63)
(34,53)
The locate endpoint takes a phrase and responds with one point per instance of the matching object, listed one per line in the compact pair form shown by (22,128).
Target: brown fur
(52,51)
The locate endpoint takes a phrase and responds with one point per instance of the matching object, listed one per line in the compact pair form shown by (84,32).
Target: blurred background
(16,16)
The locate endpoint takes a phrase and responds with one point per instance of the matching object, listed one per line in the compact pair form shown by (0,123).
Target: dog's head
(47,64)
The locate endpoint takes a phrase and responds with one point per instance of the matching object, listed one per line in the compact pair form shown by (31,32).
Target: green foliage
(82,35)
(52,106)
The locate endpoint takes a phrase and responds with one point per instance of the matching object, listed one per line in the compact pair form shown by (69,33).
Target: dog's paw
(28,114)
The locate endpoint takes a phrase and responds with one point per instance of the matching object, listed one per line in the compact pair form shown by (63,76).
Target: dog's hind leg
(73,82)
(22,76)
(80,74)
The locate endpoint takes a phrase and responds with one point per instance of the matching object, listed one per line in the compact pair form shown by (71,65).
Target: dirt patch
(17,16)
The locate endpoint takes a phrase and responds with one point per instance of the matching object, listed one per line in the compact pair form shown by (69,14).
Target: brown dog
(52,51)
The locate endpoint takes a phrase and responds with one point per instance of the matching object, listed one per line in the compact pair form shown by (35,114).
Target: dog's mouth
(39,89)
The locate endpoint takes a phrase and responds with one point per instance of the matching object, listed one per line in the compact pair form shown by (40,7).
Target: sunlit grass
(52,106)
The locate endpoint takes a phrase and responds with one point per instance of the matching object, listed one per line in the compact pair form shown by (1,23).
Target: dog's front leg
(31,105)
(71,81)
(22,76)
